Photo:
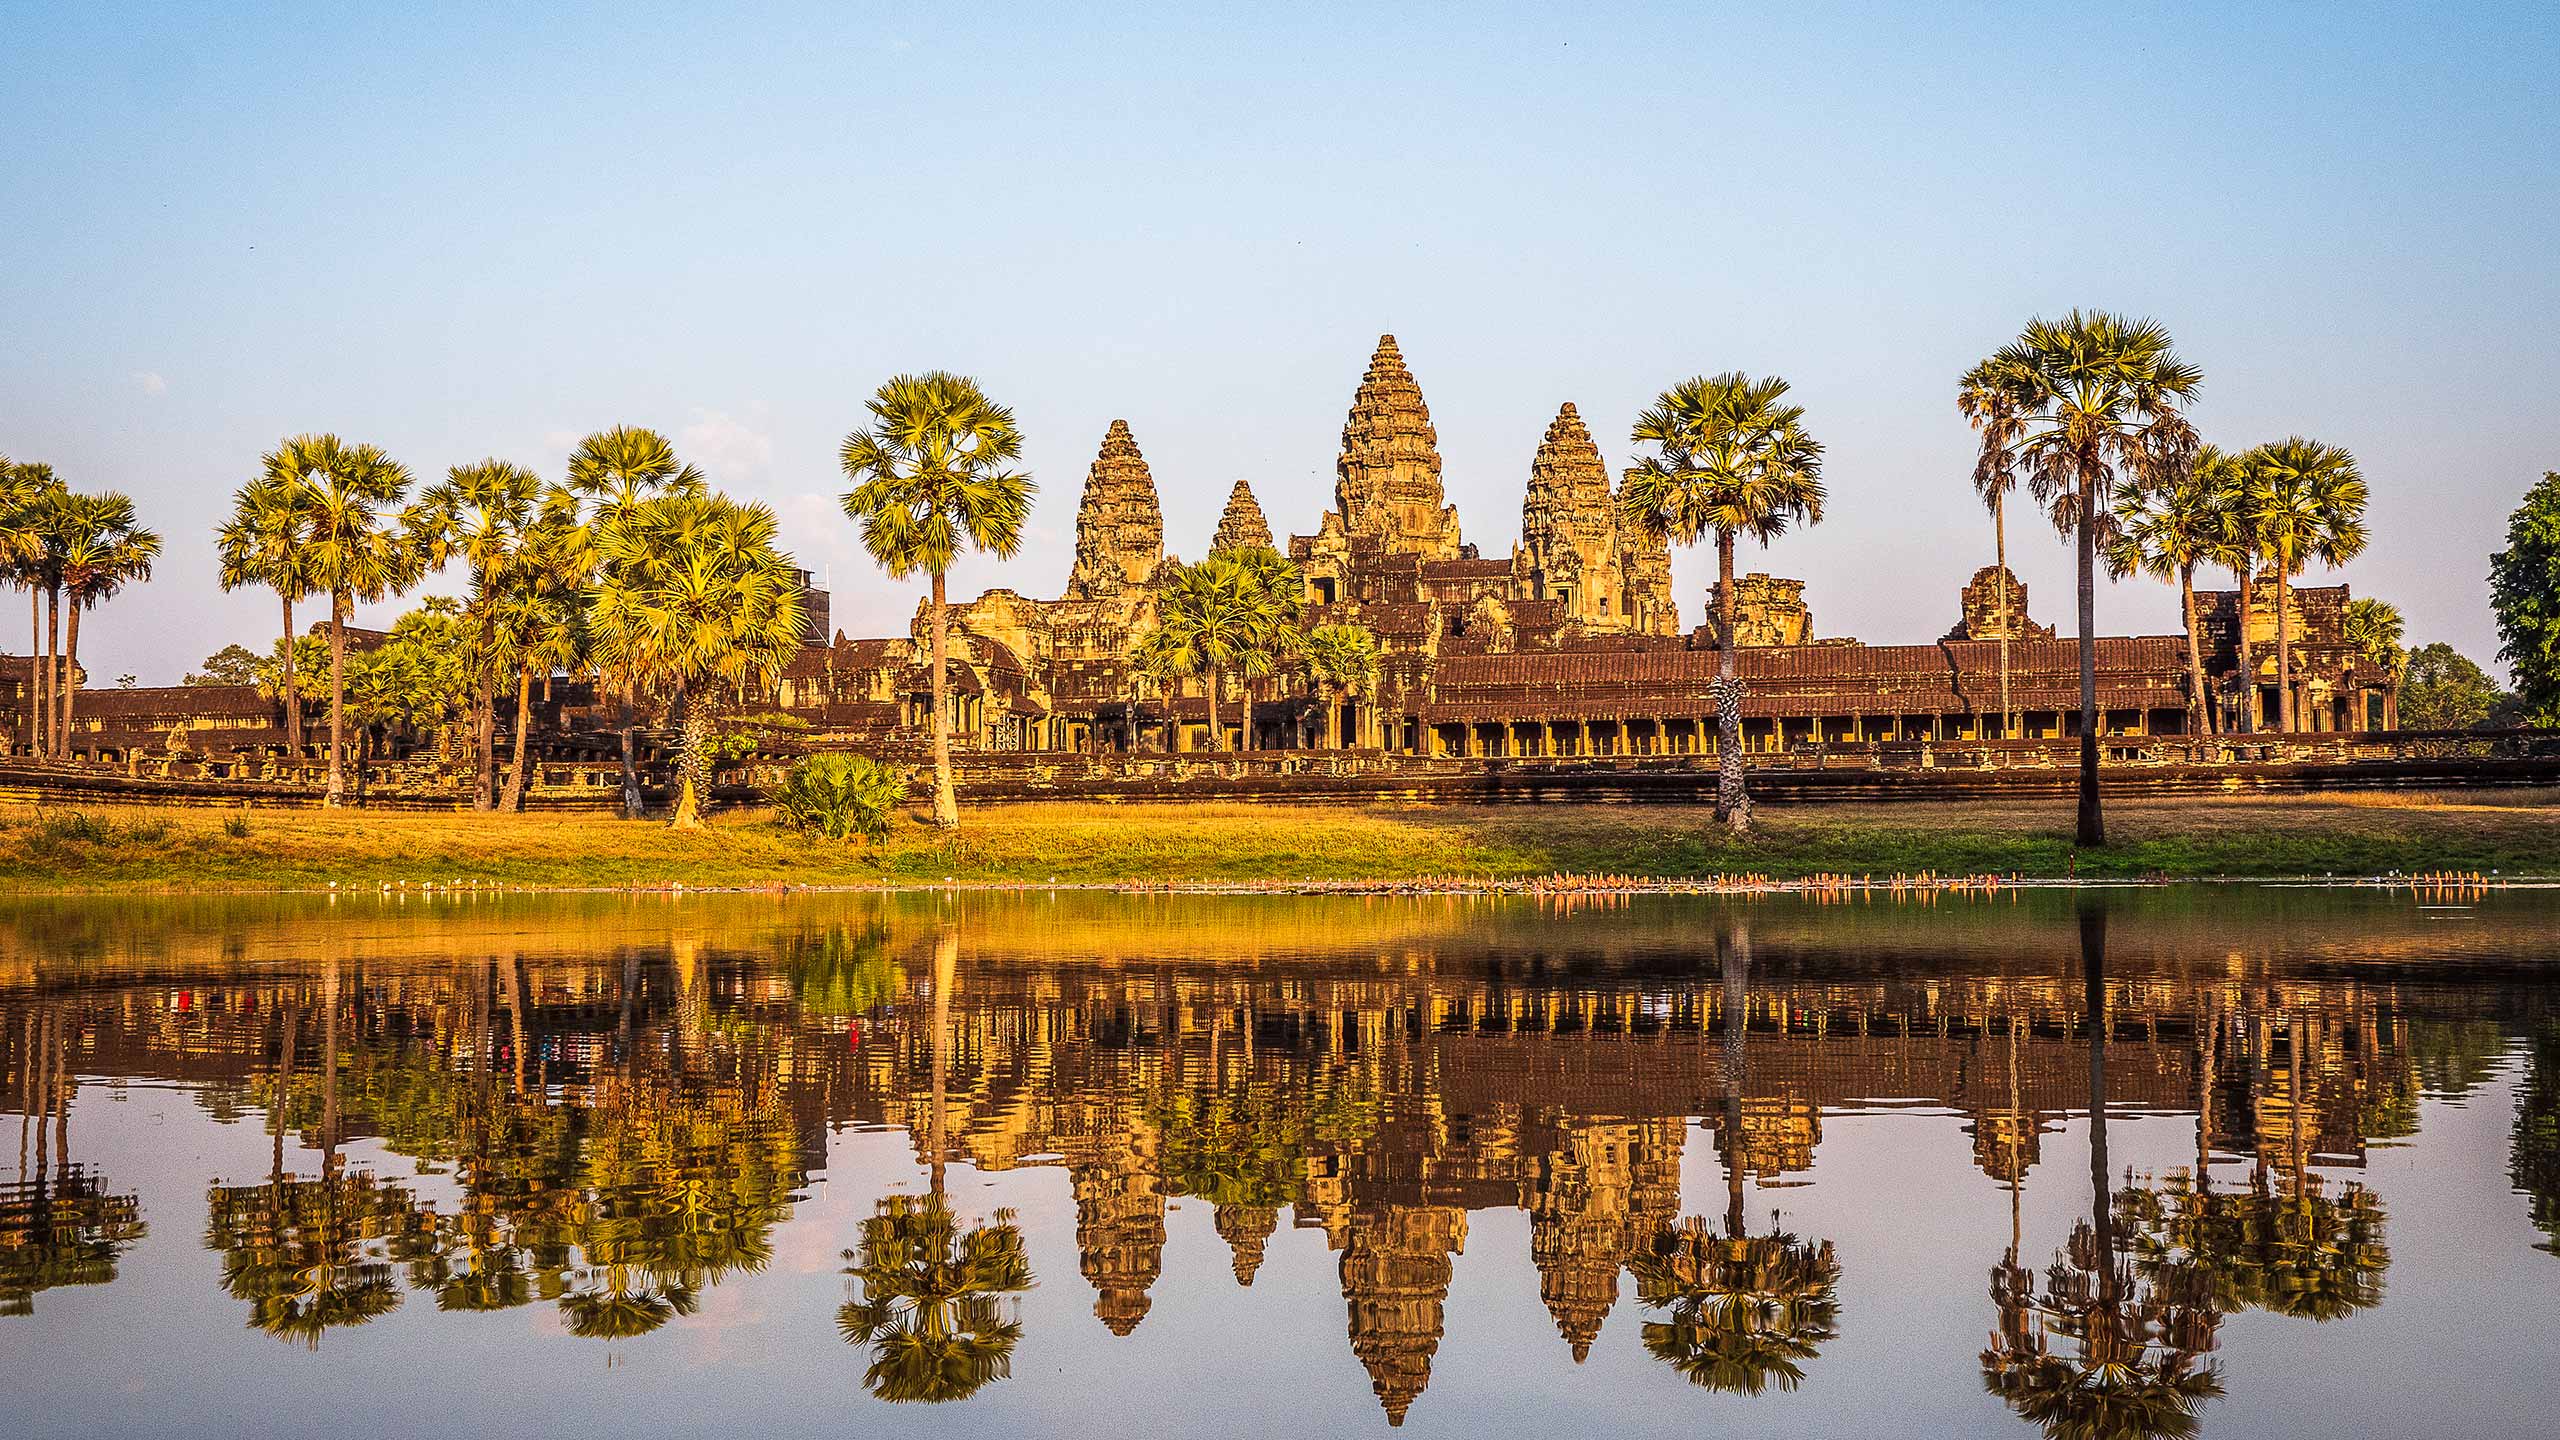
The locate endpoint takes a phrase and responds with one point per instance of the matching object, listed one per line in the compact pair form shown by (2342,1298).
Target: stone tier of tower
(1119,525)
(1574,549)
(1387,480)
(1243,526)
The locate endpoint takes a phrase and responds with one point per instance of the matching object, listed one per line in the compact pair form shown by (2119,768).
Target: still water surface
(1091,1164)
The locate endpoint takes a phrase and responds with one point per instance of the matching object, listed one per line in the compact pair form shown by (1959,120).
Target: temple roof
(1242,527)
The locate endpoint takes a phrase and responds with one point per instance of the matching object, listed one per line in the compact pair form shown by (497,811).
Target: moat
(1089,1163)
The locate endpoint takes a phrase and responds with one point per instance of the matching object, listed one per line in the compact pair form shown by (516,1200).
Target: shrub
(78,827)
(840,797)
(236,826)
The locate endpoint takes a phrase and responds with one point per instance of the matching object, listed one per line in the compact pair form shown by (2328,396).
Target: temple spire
(1387,479)
(1242,527)
(1119,525)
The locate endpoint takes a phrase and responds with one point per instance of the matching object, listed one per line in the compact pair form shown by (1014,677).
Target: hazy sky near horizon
(467,231)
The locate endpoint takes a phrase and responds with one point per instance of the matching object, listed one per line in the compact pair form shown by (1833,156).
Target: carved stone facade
(1994,607)
(1119,525)
(1603,575)
(1767,611)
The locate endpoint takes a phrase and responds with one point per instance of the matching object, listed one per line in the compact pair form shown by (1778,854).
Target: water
(1183,1166)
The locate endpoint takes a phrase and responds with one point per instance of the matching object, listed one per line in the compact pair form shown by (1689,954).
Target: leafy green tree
(2165,531)
(101,548)
(542,620)
(1732,458)
(693,599)
(932,1306)
(614,473)
(2524,590)
(261,544)
(2080,405)
(230,665)
(2442,689)
(840,797)
(1342,666)
(2305,503)
(933,473)
(359,545)
(417,682)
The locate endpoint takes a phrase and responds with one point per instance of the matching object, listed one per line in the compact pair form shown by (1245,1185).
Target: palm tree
(27,491)
(261,544)
(1342,664)
(100,550)
(2079,404)
(480,512)
(358,546)
(615,472)
(2166,531)
(1732,459)
(692,596)
(930,1299)
(2306,503)
(1994,489)
(1209,620)
(1275,595)
(2379,634)
(932,473)
(543,625)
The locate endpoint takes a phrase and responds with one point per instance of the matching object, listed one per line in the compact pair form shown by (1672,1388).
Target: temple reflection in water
(611,1107)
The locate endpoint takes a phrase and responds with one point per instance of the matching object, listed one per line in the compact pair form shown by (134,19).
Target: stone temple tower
(1387,481)
(1573,549)
(1119,527)
(1243,526)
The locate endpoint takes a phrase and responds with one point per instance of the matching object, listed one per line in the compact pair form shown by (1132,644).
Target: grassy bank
(195,850)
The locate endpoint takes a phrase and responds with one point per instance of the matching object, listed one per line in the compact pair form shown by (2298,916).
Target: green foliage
(740,736)
(1235,613)
(933,473)
(840,797)
(1732,458)
(2377,630)
(2444,690)
(2524,590)
(236,826)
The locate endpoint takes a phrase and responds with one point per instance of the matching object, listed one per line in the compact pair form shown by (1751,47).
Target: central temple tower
(1387,481)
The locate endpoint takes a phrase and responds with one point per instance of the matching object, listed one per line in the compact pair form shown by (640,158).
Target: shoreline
(2452,840)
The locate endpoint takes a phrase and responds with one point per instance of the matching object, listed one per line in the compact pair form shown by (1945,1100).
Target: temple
(1570,647)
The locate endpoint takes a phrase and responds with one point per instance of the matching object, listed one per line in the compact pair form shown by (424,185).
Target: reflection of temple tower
(1591,1202)
(1778,1134)
(1119,1232)
(1395,1276)
(1247,1231)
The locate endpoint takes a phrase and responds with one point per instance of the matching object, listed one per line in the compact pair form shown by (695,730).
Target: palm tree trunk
(946,803)
(2092,829)
(627,723)
(2284,646)
(2000,557)
(35,672)
(52,666)
(292,688)
(485,707)
(692,762)
(2200,709)
(1244,692)
(1217,736)
(70,671)
(2093,964)
(524,722)
(1332,722)
(946,973)
(336,794)
(1733,799)
(2248,669)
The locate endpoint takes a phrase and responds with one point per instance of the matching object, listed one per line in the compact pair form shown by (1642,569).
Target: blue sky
(459,232)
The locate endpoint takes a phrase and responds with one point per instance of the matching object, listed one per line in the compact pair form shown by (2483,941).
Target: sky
(461,232)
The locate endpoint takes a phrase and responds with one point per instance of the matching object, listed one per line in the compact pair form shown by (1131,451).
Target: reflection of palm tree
(2138,1337)
(619,1305)
(930,1308)
(1742,1309)
(309,1255)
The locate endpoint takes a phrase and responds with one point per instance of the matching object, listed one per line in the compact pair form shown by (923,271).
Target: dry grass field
(2361,834)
